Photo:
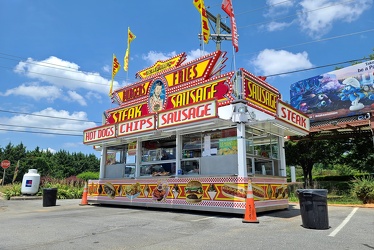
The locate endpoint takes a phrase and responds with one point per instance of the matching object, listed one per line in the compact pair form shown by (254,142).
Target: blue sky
(55,56)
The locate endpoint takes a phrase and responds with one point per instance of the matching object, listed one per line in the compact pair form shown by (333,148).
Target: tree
(305,153)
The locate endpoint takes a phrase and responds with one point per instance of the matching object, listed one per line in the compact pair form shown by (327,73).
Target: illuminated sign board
(259,94)
(99,133)
(292,116)
(340,93)
(187,114)
(185,84)
(160,66)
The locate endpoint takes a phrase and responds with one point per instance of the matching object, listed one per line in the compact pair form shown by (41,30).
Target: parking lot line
(345,221)
(206,218)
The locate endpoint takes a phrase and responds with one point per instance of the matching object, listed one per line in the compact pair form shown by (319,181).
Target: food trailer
(186,136)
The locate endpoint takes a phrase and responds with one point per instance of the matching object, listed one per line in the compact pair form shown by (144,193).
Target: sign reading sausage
(192,113)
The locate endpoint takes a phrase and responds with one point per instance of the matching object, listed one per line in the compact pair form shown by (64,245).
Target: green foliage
(363,188)
(340,177)
(89,176)
(65,191)
(11,190)
(61,164)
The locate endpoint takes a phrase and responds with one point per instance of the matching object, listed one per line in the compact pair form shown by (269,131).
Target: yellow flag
(130,38)
(205,31)
(115,68)
(126,60)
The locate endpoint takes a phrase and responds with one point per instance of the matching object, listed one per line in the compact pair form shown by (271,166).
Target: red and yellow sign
(136,125)
(218,89)
(187,114)
(160,66)
(99,133)
(192,71)
(259,94)
(173,77)
(135,92)
(293,116)
(126,113)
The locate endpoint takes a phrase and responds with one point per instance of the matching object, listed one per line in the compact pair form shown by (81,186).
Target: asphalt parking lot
(26,224)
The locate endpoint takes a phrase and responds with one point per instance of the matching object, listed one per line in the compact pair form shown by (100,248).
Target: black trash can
(313,208)
(49,197)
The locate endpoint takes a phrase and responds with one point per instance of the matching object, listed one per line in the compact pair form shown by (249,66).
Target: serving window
(121,160)
(158,157)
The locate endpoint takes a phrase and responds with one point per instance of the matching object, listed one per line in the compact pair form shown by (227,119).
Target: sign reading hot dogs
(192,113)
(99,133)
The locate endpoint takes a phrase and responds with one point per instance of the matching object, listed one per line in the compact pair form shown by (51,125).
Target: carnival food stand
(186,136)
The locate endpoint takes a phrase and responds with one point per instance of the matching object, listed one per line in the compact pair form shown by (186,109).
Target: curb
(26,198)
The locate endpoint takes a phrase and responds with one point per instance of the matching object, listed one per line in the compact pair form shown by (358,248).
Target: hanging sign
(293,116)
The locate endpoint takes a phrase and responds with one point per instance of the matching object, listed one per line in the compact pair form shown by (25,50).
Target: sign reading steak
(194,191)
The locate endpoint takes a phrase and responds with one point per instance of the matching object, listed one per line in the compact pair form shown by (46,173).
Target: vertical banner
(227,7)
(115,69)
(130,38)
(205,32)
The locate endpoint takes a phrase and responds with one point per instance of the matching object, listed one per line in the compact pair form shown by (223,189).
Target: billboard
(340,93)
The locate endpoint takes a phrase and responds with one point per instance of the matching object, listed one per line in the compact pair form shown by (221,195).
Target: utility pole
(218,37)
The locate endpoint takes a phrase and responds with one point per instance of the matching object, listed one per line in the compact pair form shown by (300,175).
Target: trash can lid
(321,192)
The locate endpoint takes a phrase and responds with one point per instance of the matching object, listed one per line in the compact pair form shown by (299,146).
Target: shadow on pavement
(292,211)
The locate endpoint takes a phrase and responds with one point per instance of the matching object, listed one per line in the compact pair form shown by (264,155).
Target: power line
(66,78)
(35,132)
(53,65)
(47,116)
(314,41)
(328,65)
(303,12)
(14,125)
(261,8)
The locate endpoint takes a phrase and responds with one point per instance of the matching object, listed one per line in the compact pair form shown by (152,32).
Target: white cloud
(106,68)
(278,8)
(275,26)
(53,151)
(318,16)
(91,95)
(154,56)
(74,96)
(72,144)
(270,61)
(282,3)
(50,93)
(60,73)
(194,54)
(35,91)
(55,121)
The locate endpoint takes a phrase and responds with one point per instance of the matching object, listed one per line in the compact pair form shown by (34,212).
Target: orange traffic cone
(84,196)
(250,210)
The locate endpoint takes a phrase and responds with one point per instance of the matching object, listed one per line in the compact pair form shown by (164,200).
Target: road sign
(5,164)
